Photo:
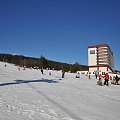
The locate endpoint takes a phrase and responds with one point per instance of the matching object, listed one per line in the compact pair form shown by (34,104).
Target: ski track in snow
(70,113)
(69,85)
(33,111)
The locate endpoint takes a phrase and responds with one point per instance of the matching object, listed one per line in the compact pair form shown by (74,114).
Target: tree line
(42,62)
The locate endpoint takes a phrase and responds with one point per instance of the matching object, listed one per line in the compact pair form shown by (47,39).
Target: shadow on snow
(28,81)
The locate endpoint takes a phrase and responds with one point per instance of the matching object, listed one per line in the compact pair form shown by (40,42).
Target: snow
(29,95)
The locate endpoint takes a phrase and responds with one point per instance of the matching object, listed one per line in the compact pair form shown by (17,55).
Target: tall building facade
(100,59)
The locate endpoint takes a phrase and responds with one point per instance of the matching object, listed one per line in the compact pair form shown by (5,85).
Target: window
(82,73)
(92,51)
(103,73)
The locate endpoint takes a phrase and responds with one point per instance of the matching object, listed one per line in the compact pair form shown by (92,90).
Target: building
(100,59)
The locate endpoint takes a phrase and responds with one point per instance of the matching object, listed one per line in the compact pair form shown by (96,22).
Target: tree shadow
(28,81)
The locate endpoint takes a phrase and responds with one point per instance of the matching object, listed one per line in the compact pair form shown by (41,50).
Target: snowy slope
(29,95)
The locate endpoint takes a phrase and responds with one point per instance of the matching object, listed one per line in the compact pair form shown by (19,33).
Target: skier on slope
(100,80)
(106,79)
(63,73)
(42,70)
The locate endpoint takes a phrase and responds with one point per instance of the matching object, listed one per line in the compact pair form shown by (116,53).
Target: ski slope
(29,95)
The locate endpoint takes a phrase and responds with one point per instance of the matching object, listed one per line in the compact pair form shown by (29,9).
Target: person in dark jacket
(63,73)
(116,80)
(42,71)
(96,75)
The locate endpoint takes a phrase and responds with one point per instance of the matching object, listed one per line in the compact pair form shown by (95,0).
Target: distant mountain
(42,62)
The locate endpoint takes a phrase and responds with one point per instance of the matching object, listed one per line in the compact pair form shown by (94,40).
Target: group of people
(106,80)
(100,76)
(115,80)
(63,73)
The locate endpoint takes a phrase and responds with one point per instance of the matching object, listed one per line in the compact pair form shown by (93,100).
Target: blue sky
(60,30)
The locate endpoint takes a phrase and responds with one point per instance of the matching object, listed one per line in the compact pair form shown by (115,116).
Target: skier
(89,75)
(49,72)
(77,75)
(42,71)
(100,80)
(96,75)
(116,80)
(63,73)
(106,79)
(113,81)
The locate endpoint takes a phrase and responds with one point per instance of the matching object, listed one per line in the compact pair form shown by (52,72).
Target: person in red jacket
(100,76)
(99,82)
(106,79)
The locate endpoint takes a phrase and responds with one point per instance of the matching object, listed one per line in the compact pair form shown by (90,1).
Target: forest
(42,62)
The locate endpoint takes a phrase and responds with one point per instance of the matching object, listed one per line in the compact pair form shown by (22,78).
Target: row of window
(103,73)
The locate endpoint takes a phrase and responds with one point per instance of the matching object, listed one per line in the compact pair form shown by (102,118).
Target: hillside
(29,95)
(41,62)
